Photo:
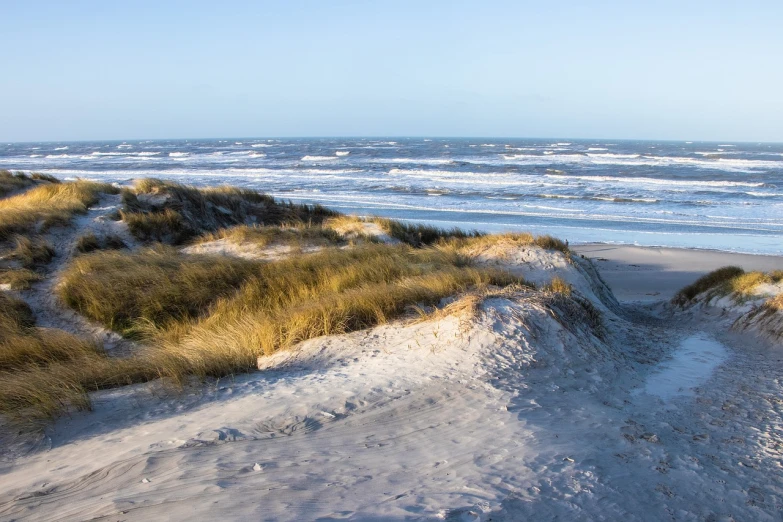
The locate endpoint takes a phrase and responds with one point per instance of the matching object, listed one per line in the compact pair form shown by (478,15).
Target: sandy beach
(654,273)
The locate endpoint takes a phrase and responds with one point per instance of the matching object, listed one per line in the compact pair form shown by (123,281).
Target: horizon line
(390,136)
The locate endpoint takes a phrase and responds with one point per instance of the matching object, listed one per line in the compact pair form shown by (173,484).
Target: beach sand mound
(427,406)
(747,301)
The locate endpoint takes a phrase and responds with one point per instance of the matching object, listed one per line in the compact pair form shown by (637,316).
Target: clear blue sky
(660,70)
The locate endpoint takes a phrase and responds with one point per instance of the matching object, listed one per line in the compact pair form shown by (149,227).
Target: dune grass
(127,291)
(320,294)
(744,284)
(11,181)
(728,280)
(775,303)
(33,251)
(299,235)
(260,308)
(201,315)
(18,278)
(44,371)
(48,205)
(168,212)
(418,235)
(89,242)
(22,345)
(717,277)
(474,245)
(558,285)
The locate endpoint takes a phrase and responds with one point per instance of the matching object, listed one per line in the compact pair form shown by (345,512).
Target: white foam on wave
(256,145)
(319,158)
(178,154)
(610,155)
(342,152)
(417,161)
(725,164)
(764,194)
(61,148)
(597,148)
(124,146)
(657,181)
(372,200)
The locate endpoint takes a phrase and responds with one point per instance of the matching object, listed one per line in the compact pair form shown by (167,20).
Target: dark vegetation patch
(171,213)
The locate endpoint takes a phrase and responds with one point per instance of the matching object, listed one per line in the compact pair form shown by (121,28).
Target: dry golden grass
(14,314)
(89,242)
(32,396)
(19,278)
(415,235)
(126,291)
(294,235)
(22,346)
(721,276)
(775,303)
(44,372)
(558,285)
(170,297)
(477,245)
(48,205)
(32,251)
(776,276)
(744,284)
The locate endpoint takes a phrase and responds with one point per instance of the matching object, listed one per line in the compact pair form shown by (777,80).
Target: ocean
(723,196)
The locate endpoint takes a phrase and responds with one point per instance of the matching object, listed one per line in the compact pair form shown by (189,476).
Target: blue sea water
(725,196)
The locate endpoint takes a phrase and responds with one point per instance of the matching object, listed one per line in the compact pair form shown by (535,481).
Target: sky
(685,70)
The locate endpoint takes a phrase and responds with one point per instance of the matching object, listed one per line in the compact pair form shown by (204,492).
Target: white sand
(518,414)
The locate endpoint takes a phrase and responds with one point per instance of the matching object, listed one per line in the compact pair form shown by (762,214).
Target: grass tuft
(295,235)
(89,242)
(418,235)
(744,284)
(707,282)
(32,252)
(19,278)
(558,285)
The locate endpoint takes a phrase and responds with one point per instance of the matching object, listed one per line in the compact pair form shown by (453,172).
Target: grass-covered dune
(16,181)
(198,315)
(48,205)
(725,281)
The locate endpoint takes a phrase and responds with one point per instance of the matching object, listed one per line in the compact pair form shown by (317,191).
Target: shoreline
(649,274)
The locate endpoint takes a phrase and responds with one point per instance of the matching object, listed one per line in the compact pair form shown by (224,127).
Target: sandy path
(49,311)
